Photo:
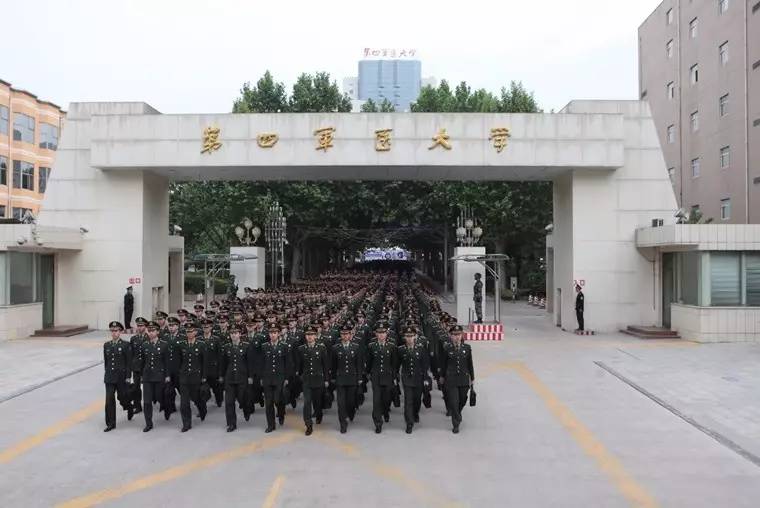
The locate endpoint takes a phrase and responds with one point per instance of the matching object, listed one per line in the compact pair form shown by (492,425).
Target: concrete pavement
(551,428)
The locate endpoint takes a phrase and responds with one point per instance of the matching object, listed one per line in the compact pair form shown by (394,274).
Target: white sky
(192,56)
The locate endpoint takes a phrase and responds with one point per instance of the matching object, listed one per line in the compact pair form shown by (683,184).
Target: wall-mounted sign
(135,280)
(579,282)
(389,53)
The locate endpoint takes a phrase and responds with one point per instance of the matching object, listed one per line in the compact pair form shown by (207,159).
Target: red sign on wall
(135,280)
(579,282)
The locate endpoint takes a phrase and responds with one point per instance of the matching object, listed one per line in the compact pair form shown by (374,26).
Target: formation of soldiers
(332,340)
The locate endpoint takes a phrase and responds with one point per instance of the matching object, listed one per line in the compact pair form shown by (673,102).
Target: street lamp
(468,231)
(275,231)
(247,233)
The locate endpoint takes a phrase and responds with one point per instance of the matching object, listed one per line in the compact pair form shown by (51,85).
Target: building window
(725,278)
(671,90)
(752,272)
(725,157)
(2,211)
(3,170)
(722,6)
(669,49)
(723,105)
(672,174)
(42,178)
(23,128)
(723,53)
(4,116)
(23,175)
(671,133)
(694,74)
(669,17)
(48,136)
(725,209)
(19,212)
(694,121)
(693,28)
(695,170)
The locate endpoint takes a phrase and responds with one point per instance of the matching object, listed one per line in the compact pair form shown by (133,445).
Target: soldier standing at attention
(579,306)
(192,355)
(347,369)
(135,345)
(154,361)
(129,307)
(234,373)
(314,369)
(414,362)
(276,359)
(117,358)
(382,368)
(477,298)
(457,375)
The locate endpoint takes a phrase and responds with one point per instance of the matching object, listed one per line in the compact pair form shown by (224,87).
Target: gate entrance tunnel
(116,160)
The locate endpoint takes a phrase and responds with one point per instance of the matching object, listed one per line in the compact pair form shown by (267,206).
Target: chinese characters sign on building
(389,53)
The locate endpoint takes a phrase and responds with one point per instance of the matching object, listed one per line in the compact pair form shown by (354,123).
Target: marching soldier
(276,360)
(154,362)
(347,369)
(135,345)
(382,368)
(192,358)
(163,327)
(173,337)
(211,358)
(314,369)
(234,373)
(117,358)
(457,375)
(414,362)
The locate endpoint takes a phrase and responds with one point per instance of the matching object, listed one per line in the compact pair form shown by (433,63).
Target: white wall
(20,321)
(249,272)
(716,324)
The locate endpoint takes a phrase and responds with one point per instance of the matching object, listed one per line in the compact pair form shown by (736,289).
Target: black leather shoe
(343,429)
(378,429)
(455,430)
(147,428)
(319,419)
(269,429)
(309,430)
(387,417)
(130,413)
(351,417)
(109,428)
(167,414)
(448,413)
(247,416)
(409,429)
(281,419)
(218,403)
(416,418)
(231,428)
(185,429)
(203,415)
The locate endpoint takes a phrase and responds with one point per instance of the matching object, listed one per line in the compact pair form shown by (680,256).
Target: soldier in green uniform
(382,367)
(117,358)
(414,364)
(347,369)
(457,375)
(173,337)
(135,345)
(163,327)
(477,298)
(314,369)
(234,372)
(211,359)
(192,372)
(154,364)
(276,366)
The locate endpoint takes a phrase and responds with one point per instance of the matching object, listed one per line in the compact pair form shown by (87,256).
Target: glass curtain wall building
(398,81)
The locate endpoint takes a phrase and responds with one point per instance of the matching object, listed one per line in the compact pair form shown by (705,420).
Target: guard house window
(693,24)
(42,178)
(669,49)
(723,105)
(48,136)
(725,157)
(671,90)
(23,128)
(695,170)
(723,53)
(694,121)
(3,170)
(19,212)
(2,211)
(694,74)
(671,133)
(725,209)
(23,175)
(722,6)
(669,17)
(4,116)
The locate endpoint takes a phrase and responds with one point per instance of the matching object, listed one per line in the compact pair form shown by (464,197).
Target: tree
(317,94)
(369,107)
(267,97)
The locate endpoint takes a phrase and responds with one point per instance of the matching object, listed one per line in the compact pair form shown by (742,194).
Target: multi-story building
(29,133)
(387,74)
(699,69)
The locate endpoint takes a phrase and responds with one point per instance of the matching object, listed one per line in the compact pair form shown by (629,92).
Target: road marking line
(167,475)
(607,462)
(274,491)
(27,444)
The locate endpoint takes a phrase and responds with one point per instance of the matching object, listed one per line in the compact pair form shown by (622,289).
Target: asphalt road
(551,428)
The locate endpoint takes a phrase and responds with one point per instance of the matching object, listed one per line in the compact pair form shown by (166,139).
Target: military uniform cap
(214,303)
(141,321)
(161,314)
(199,306)
(310,330)
(116,324)
(223,317)
(347,327)
(153,324)
(456,329)
(410,330)
(191,325)
(183,312)
(173,321)
(381,327)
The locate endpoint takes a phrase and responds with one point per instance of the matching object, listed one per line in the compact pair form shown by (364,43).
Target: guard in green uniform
(314,369)
(117,358)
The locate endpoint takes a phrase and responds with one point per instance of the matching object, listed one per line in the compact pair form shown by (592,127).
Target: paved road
(552,428)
